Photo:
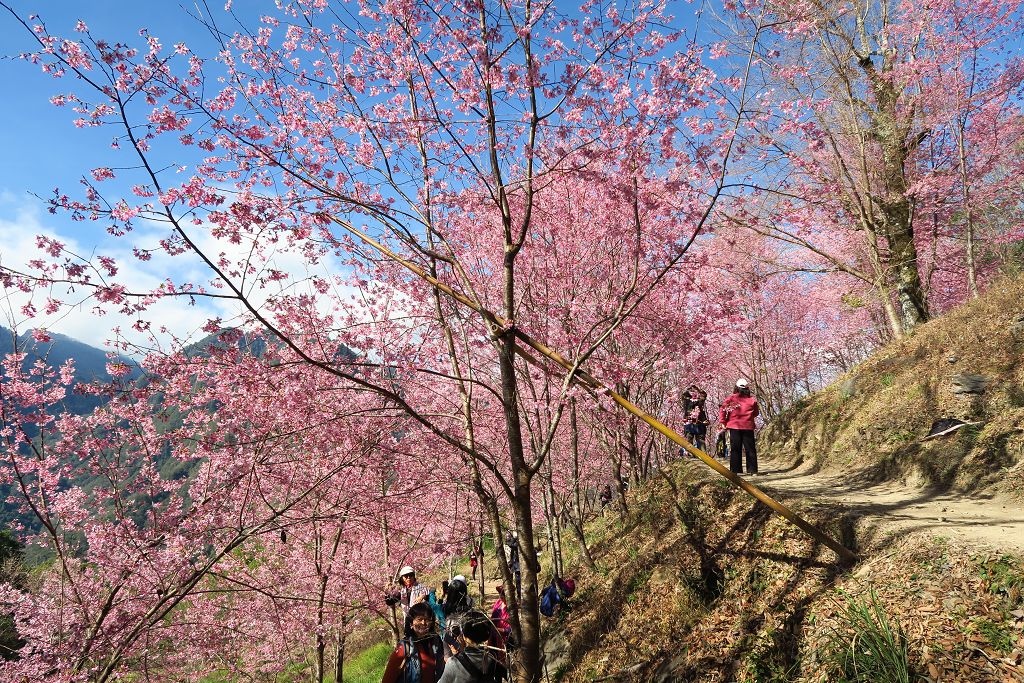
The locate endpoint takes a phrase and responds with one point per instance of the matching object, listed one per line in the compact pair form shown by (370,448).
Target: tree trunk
(897,139)
(522,508)
(339,656)
(579,513)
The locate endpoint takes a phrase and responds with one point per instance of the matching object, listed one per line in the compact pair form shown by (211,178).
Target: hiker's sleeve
(394,666)
(451,671)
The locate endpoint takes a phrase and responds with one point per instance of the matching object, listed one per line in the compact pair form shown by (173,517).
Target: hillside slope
(968,364)
(698,582)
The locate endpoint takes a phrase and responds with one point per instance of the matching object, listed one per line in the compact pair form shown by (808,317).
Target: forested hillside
(90,363)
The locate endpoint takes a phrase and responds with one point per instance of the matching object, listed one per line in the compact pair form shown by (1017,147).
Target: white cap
(405,570)
(459,577)
(742,383)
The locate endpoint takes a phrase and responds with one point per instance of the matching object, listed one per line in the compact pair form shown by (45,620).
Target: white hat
(405,570)
(459,577)
(742,383)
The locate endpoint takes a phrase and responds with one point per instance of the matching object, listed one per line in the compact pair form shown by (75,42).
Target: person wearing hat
(737,414)
(410,592)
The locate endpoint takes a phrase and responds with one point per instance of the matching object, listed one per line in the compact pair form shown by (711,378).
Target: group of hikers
(736,418)
(446,639)
(735,440)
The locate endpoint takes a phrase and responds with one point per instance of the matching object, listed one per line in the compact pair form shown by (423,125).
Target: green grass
(292,673)
(1004,577)
(998,635)
(636,584)
(368,665)
(867,647)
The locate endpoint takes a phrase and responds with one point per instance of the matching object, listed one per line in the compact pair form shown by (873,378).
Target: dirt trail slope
(985,520)
(861,441)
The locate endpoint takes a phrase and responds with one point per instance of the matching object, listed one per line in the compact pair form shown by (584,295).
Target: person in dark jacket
(737,414)
(695,416)
(722,444)
(419,657)
(474,660)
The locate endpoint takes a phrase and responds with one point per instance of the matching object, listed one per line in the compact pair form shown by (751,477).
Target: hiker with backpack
(456,604)
(737,414)
(474,660)
(419,656)
(456,596)
(695,416)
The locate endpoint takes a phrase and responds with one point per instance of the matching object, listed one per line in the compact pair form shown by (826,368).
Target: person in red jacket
(419,657)
(737,414)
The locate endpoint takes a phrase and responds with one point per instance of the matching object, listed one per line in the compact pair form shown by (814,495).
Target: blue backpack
(549,600)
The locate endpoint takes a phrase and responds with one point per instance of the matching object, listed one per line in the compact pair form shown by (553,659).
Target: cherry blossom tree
(556,169)
(883,125)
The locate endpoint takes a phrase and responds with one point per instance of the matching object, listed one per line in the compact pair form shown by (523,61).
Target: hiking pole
(585,379)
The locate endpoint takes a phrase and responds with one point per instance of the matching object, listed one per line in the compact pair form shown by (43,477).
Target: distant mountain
(90,363)
(255,345)
(91,366)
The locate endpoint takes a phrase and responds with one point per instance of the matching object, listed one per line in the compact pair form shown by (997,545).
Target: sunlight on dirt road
(989,521)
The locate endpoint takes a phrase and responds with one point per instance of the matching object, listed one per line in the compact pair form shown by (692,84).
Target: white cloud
(22,221)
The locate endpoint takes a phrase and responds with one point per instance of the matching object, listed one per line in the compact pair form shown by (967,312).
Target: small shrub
(867,647)
(770,659)
(998,635)
(1003,577)
(900,436)
(969,434)
(1015,396)
(638,582)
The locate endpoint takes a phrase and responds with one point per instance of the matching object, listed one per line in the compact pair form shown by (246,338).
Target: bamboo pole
(580,376)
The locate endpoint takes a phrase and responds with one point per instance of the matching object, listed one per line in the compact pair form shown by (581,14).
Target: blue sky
(43,150)
(41,145)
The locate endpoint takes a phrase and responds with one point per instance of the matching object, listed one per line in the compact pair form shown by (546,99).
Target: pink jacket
(738,411)
(501,618)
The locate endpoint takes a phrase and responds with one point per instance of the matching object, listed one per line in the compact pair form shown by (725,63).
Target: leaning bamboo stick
(584,378)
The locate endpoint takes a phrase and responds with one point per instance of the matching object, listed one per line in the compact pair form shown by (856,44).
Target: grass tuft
(867,647)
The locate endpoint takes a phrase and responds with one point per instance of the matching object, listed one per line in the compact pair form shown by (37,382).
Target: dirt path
(990,522)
